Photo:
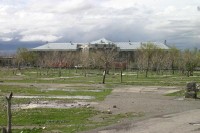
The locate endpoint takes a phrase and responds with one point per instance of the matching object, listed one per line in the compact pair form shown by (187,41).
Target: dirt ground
(161,113)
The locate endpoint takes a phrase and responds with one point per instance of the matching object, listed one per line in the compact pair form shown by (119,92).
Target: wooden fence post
(9,115)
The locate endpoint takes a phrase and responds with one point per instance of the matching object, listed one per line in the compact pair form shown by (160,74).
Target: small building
(6,61)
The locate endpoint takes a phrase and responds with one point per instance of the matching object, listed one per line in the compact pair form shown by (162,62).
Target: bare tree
(25,57)
(190,60)
(72,59)
(85,59)
(145,55)
(158,60)
(104,58)
(19,59)
(173,58)
(63,59)
(40,64)
(48,60)
(59,60)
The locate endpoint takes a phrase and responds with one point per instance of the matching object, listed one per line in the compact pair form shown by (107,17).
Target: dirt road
(185,122)
(161,113)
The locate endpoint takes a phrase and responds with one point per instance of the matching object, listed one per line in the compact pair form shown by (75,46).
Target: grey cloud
(60,6)
(89,20)
(139,11)
(185,34)
(117,30)
(184,27)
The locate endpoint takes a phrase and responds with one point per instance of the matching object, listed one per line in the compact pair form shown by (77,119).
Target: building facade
(126,50)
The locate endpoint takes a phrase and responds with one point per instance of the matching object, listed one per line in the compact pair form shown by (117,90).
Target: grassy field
(54,120)
(69,120)
(63,120)
(72,76)
(60,120)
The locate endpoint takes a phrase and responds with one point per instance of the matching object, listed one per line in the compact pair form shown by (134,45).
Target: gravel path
(152,102)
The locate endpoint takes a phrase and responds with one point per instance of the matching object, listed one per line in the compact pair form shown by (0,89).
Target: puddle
(58,97)
(70,77)
(72,90)
(195,124)
(108,131)
(179,99)
(47,78)
(53,104)
(171,91)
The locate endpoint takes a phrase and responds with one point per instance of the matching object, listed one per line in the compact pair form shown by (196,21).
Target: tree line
(148,58)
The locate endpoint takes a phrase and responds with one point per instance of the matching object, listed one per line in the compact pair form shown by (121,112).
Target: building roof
(123,46)
(127,46)
(101,41)
(56,46)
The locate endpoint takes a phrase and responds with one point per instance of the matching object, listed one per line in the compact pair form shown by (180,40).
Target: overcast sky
(29,23)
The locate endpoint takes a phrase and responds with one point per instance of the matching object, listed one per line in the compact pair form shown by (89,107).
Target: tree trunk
(85,72)
(188,73)
(107,71)
(121,76)
(59,73)
(148,63)
(191,72)
(104,76)
(47,71)
(37,70)
(146,73)
(19,66)
(172,67)
(40,71)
